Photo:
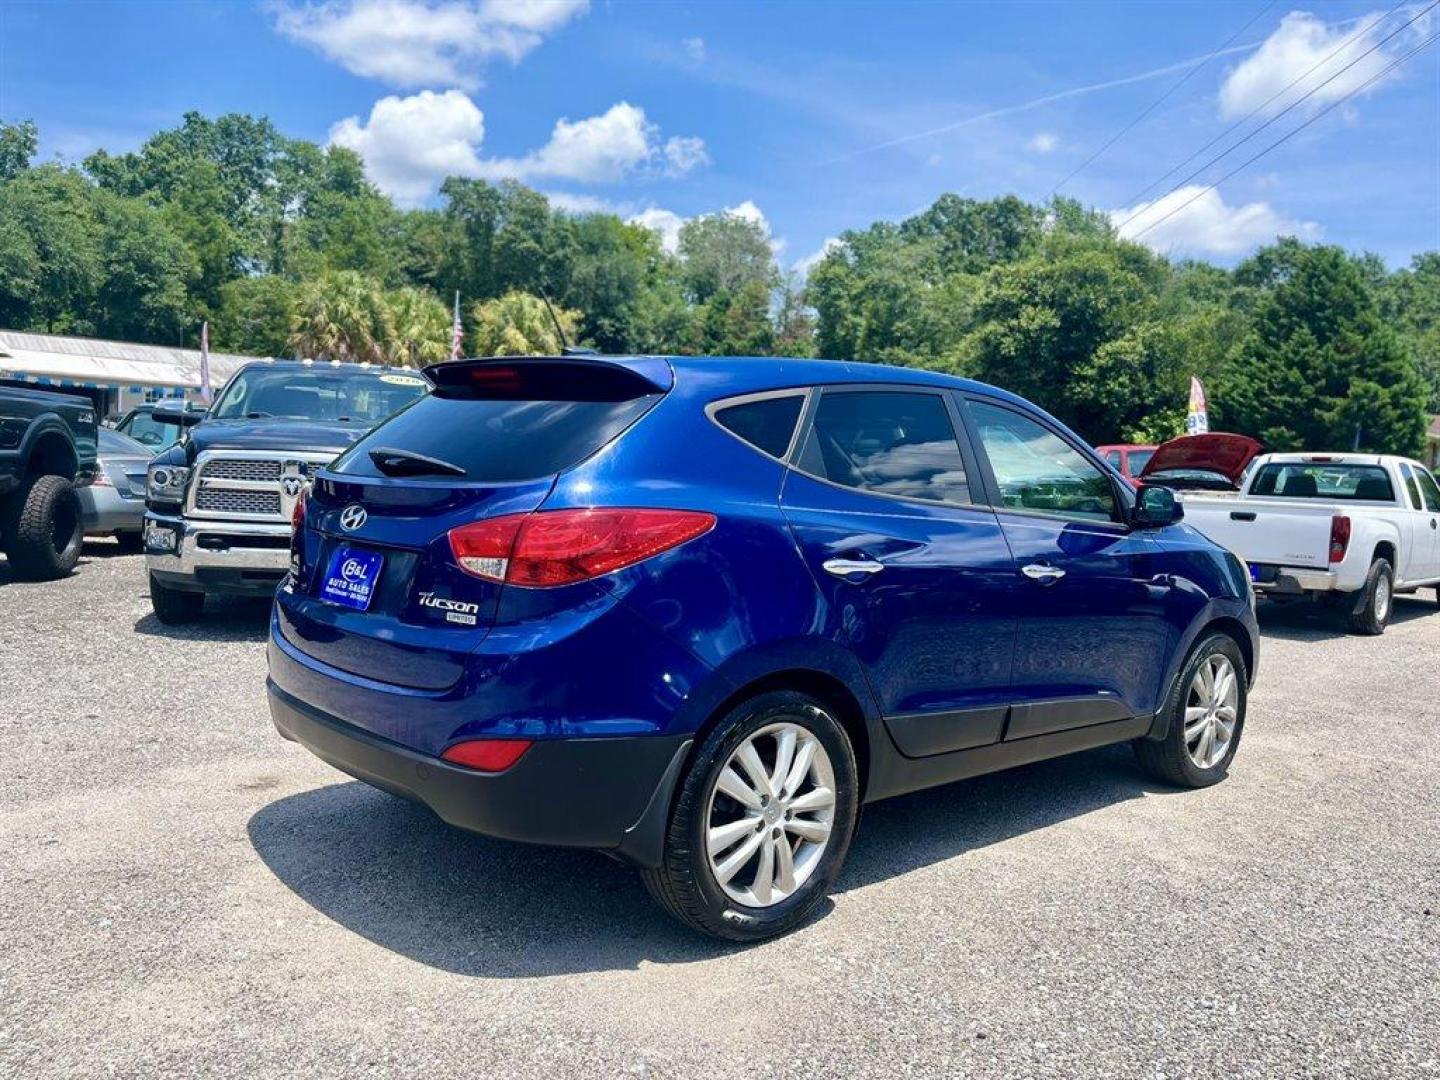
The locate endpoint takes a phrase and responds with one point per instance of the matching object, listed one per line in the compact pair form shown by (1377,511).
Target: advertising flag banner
(1197,420)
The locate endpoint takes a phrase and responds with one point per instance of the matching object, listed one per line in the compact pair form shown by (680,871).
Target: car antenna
(566,349)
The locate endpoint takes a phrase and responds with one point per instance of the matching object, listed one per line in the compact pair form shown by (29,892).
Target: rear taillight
(1339,537)
(102,479)
(486,755)
(297,515)
(560,547)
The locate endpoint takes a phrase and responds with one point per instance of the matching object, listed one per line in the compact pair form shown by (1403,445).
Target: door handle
(1432,523)
(1046,575)
(845,567)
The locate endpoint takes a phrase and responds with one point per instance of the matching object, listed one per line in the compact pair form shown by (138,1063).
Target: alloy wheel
(1211,711)
(770,815)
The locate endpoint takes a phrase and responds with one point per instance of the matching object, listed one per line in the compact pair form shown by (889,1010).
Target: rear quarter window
(768,424)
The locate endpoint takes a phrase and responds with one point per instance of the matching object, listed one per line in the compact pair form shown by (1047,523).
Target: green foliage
(517,324)
(286,247)
(18,143)
(344,315)
(1319,367)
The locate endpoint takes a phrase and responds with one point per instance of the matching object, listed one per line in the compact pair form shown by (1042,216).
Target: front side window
(1412,486)
(889,442)
(1037,470)
(1430,490)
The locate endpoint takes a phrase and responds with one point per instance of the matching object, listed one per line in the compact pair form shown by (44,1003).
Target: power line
(1266,103)
(1157,102)
(1291,134)
(1298,101)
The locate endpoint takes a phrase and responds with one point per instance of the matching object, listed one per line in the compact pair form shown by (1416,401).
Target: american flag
(457,334)
(205,390)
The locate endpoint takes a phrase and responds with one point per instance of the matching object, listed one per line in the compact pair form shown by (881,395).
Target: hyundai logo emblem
(352,517)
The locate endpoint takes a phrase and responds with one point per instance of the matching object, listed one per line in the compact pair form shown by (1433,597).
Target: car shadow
(225,619)
(1309,620)
(397,875)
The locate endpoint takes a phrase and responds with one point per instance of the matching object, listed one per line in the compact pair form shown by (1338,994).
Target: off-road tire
(1167,759)
(1364,617)
(684,884)
(42,529)
(174,607)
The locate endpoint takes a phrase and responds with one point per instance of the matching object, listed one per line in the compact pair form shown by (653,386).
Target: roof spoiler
(570,377)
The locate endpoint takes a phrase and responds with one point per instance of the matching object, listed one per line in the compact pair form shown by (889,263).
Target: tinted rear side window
(498,441)
(888,442)
(767,424)
(1320,480)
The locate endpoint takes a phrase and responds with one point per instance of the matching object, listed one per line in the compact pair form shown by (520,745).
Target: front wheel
(1206,709)
(43,528)
(762,820)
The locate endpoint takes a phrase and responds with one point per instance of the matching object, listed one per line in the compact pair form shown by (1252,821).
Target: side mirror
(1155,507)
(165,414)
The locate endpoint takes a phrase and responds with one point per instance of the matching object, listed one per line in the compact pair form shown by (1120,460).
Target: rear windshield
(498,433)
(1318,480)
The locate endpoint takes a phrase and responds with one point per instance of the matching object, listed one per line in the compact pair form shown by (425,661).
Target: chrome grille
(261,472)
(230,501)
(251,485)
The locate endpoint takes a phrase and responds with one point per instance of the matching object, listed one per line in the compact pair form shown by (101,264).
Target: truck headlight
(166,483)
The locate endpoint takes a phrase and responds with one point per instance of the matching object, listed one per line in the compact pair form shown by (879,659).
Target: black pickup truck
(47,449)
(219,503)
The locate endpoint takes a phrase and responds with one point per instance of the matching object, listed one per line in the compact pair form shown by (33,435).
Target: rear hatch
(377,590)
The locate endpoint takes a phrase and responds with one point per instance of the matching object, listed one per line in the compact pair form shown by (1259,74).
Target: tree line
(286,248)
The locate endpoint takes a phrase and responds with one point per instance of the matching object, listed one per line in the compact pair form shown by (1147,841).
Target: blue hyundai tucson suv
(695,612)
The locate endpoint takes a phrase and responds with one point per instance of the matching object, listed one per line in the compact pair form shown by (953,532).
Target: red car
(1130,459)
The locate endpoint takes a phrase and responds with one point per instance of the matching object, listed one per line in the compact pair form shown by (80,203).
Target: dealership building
(116,375)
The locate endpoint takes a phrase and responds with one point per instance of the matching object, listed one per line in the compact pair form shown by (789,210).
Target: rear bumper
(1292,581)
(105,510)
(606,793)
(240,557)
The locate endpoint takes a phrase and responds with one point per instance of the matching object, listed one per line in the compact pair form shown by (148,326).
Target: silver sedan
(114,504)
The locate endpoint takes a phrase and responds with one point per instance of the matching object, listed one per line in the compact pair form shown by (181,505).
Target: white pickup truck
(1352,529)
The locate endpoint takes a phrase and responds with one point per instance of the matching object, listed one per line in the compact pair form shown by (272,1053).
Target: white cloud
(603,148)
(665,222)
(1300,43)
(410,144)
(683,153)
(694,49)
(573,203)
(1208,226)
(1042,142)
(423,42)
(805,265)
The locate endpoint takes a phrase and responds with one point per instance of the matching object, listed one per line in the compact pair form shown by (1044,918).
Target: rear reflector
(486,755)
(561,547)
(1339,537)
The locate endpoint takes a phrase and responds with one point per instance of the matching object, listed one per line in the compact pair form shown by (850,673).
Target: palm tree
(418,330)
(517,324)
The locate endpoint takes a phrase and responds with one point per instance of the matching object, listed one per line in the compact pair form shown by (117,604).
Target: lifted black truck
(47,450)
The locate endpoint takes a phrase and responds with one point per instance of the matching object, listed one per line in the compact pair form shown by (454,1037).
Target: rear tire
(1183,757)
(43,529)
(1371,613)
(174,607)
(688,883)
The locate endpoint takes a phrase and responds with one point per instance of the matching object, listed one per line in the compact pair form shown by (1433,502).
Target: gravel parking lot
(182,891)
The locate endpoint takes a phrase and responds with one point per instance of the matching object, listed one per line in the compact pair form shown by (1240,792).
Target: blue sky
(816,117)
